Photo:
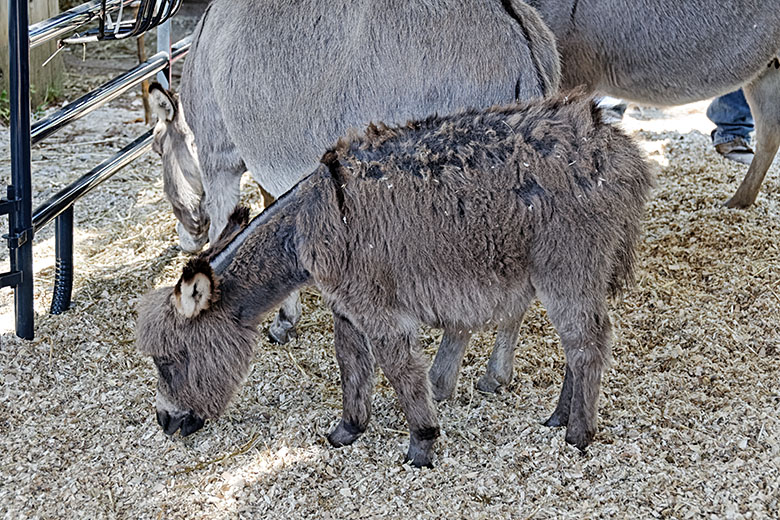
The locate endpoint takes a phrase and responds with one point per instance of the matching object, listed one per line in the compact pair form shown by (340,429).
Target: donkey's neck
(263,267)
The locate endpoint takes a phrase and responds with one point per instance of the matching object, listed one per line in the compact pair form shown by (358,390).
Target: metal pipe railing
(23,223)
(106,92)
(71,20)
(58,203)
(20,224)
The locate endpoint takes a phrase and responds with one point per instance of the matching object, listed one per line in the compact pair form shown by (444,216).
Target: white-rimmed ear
(164,104)
(196,289)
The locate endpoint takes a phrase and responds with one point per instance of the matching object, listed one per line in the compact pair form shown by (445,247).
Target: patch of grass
(5,107)
(53,95)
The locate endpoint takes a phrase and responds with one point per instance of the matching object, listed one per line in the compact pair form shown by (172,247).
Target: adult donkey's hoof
(579,437)
(737,202)
(281,331)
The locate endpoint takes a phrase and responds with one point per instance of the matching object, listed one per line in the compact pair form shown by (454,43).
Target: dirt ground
(688,428)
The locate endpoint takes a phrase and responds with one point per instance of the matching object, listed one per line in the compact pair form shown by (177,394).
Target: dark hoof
(418,458)
(344,434)
(556,420)
(281,333)
(580,440)
(736,202)
(421,447)
(488,384)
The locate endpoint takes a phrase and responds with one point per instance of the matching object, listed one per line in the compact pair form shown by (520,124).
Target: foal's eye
(172,371)
(164,367)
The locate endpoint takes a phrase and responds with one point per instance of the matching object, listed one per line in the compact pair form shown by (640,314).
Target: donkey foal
(458,222)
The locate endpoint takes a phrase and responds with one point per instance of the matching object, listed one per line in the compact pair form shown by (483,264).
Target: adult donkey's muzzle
(188,422)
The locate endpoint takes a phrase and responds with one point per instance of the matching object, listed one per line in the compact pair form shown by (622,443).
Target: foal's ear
(196,290)
(164,104)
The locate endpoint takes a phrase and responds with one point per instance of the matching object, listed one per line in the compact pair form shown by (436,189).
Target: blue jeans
(731,113)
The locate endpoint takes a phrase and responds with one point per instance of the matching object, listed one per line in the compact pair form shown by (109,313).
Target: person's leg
(734,122)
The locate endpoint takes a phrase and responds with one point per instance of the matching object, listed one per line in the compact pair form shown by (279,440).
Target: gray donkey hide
(458,222)
(268,85)
(664,52)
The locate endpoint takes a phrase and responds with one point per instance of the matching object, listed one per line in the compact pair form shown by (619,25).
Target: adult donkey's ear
(163,103)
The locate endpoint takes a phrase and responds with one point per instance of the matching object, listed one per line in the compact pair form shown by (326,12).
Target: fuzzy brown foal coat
(457,222)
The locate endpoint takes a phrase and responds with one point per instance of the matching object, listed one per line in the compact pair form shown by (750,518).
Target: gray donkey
(268,85)
(458,222)
(666,52)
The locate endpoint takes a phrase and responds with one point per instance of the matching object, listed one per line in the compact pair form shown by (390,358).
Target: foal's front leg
(356,363)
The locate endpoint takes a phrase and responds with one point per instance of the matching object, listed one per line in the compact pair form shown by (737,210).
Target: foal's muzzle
(188,422)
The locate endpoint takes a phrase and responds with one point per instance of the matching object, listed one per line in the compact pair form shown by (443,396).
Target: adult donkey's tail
(541,44)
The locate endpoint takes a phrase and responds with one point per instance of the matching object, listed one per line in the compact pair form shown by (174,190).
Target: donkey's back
(280,81)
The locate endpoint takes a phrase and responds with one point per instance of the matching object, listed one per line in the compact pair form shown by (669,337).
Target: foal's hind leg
(584,328)
(763,96)
(399,356)
(356,363)
(446,365)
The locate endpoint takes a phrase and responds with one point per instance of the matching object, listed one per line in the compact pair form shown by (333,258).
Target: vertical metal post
(164,44)
(20,219)
(63,277)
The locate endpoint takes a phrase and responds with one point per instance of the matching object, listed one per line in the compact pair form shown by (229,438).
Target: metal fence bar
(20,218)
(94,99)
(71,20)
(58,203)
(106,92)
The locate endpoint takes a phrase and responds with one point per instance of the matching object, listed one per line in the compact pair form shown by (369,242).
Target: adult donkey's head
(175,143)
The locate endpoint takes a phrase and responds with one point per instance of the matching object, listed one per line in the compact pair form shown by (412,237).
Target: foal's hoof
(419,457)
(344,434)
(489,384)
(281,333)
(579,438)
(556,420)
(421,443)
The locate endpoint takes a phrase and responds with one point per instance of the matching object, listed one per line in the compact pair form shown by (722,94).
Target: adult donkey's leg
(446,365)
(502,359)
(763,96)
(282,329)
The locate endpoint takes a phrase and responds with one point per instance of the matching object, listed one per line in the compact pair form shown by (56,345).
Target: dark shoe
(736,150)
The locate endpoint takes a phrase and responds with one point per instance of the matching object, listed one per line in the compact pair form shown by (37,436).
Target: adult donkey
(665,52)
(268,85)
